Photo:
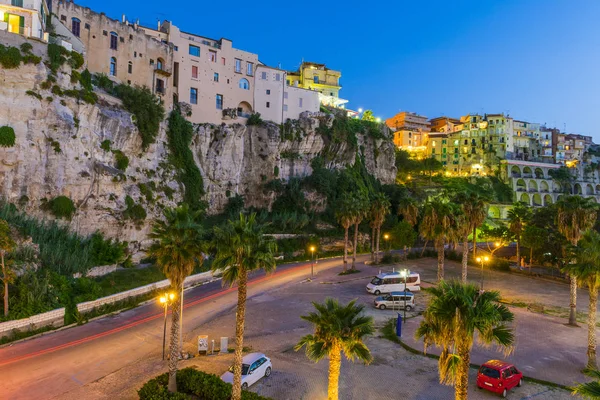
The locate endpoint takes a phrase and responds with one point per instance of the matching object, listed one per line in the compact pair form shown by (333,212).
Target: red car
(498,377)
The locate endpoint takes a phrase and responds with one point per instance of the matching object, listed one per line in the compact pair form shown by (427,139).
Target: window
(87,26)
(75,26)
(238,65)
(268,104)
(316,79)
(219,102)
(160,86)
(194,51)
(62,17)
(212,55)
(193,96)
(122,39)
(300,102)
(130,67)
(176,48)
(268,91)
(277,77)
(288,82)
(151,62)
(160,64)
(249,69)
(285,95)
(194,72)
(263,75)
(114,39)
(223,60)
(113,66)
(285,107)
(104,33)
(216,77)
(244,84)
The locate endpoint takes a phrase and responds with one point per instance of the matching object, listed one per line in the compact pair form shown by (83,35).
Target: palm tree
(344,217)
(359,212)
(437,225)
(409,210)
(178,248)
(241,247)
(473,214)
(589,390)
(7,244)
(455,312)
(518,216)
(587,272)
(337,329)
(380,208)
(575,215)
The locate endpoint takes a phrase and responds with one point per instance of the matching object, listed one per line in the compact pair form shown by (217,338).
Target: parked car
(388,282)
(498,377)
(254,367)
(396,300)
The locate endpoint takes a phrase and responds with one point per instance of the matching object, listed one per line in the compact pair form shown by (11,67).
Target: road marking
(140,320)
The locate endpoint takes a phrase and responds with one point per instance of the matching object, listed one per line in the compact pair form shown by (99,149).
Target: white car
(254,367)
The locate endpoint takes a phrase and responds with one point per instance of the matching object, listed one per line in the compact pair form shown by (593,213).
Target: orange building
(410,130)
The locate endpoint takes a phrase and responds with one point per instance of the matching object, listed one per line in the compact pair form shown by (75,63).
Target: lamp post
(404,274)
(165,300)
(386,237)
(482,260)
(312,261)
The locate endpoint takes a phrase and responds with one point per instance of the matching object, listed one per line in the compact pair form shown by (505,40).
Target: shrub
(57,90)
(34,94)
(122,161)
(276,171)
(45,85)
(76,60)
(499,264)
(7,136)
(62,207)
(255,119)
(389,258)
(56,56)
(103,82)
(105,145)
(86,80)
(26,47)
(31,59)
(75,77)
(134,211)
(10,57)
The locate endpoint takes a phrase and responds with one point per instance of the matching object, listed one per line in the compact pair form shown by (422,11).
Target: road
(55,364)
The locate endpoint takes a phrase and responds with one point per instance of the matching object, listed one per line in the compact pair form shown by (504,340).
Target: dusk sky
(538,60)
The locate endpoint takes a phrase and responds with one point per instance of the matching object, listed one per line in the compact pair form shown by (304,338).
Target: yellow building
(410,132)
(318,77)
(27,18)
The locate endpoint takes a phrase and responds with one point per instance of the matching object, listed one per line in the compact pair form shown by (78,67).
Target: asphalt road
(55,364)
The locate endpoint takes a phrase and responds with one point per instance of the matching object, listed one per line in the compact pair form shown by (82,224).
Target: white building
(278,102)
(24,17)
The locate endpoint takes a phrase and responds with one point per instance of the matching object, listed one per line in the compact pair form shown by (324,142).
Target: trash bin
(399,325)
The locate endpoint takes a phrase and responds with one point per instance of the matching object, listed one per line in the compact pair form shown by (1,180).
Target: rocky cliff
(65,146)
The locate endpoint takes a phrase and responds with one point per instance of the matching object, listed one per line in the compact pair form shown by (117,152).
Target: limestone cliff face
(58,152)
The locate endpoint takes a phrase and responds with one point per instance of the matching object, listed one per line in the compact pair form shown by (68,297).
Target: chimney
(124,19)
(158,25)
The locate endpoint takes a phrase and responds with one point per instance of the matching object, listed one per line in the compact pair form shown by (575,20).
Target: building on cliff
(318,77)
(410,131)
(24,17)
(124,51)
(278,102)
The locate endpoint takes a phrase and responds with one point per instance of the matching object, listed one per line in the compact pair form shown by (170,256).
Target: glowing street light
(312,261)
(482,260)
(386,237)
(165,300)
(360,110)
(378,120)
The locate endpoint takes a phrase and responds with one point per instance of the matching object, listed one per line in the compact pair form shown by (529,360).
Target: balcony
(19,30)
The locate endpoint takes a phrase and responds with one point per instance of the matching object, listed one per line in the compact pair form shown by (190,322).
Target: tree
(359,212)
(587,272)
(368,116)
(7,245)
(380,208)
(344,217)
(338,329)
(473,213)
(455,312)
(409,210)
(563,176)
(241,247)
(178,248)
(403,235)
(437,225)
(533,237)
(575,215)
(431,165)
(500,235)
(589,390)
(518,216)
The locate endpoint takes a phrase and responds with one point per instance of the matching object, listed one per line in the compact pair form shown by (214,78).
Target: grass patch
(349,272)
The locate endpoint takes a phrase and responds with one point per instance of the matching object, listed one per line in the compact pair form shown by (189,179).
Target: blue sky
(538,60)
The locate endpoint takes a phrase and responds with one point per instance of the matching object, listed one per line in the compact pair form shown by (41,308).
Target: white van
(396,300)
(388,282)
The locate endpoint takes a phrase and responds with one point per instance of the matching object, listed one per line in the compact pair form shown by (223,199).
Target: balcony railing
(20,30)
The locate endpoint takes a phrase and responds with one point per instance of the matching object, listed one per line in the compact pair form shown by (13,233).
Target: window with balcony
(76,26)
(238,65)
(219,101)
(113,66)
(114,40)
(193,96)
(244,84)
(160,64)
(194,51)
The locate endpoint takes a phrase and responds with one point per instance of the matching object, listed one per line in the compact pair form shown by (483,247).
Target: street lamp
(482,260)
(312,261)
(404,274)
(165,300)
(386,237)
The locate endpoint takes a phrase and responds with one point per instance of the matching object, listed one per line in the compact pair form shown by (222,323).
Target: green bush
(45,85)
(76,60)
(255,119)
(103,82)
(56,56)
(57,90)
(62,207)
(134,212)
(75,77)
(86,80)
(192,382)
(26,47)
(10,57)
(7,136)
(33,94)
(499,264)
(105,145)
(122,161)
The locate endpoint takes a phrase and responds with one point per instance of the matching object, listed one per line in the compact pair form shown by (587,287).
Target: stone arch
(515,171)
(589,189)
(537,200)
(525,198)
(527,172)
(557,186)
(539,173)
(494,212)
(244,109)
(577,189)
(547,200)
(521,185)
(544,187)
(559,197)
(533,186)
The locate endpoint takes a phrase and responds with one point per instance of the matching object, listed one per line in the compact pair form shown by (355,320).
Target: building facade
(318,77)
(24,17)
(124,51)
(278,102)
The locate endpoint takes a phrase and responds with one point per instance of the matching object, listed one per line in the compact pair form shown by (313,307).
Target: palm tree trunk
(5,281)
(518,254)
(346,248)
(474,240)
(355,245)
(424,247)
(465,258)
(377,243)
(591,351)
(174,350)
(530,259)
(373,258)
(440,254)
(573,301)
(239,335)
(462,374)
(335,362)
